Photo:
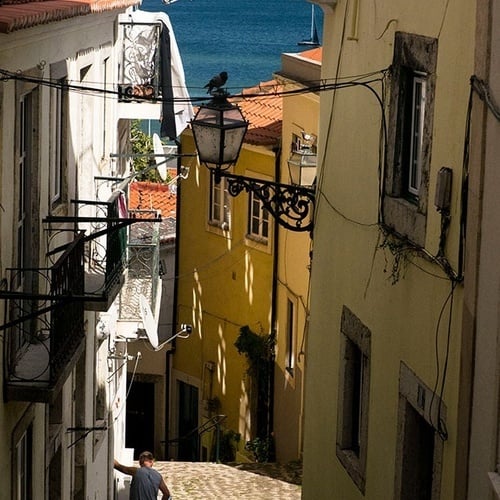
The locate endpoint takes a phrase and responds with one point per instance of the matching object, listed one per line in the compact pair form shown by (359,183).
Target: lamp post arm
(292,206)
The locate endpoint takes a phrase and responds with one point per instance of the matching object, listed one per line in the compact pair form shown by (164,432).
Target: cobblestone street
(210,481)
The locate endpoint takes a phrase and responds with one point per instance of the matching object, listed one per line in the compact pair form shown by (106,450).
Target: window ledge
(352,465)
(405,218)
(220,228)
(495,482)
(258,239)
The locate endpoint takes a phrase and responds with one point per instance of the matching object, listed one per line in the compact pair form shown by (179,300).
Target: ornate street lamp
(302,166)
(219,129)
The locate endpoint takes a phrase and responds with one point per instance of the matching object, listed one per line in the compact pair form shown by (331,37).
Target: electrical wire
(445,12)
(137,358)
(101,90)
(440,425)
(328,133)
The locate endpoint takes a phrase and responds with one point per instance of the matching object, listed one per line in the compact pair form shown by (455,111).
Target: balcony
(45,332)
(142,276)
(139,70)
(105,250)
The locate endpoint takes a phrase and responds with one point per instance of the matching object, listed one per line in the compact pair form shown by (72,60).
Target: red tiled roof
(264,113)
(315,54)
(152,195)
(22,14)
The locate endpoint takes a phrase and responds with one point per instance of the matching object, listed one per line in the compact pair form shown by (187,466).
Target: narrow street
(210,481)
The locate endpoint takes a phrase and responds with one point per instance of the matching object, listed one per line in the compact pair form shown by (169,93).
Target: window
(304,140)
(24,475)
(258,219)
(58,153)
(22,456)
(419,449)
(290,337)
(415,132)
(26,233)
(26,168)
(220,214)
(410,135)
(352,425)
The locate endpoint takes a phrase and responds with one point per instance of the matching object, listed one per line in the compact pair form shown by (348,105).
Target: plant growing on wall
(225,450)
(259,351)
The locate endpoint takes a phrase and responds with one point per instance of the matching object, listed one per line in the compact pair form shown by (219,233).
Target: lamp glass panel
(208,142)
(209,116)
(308,176)
(302,168)
(233,139)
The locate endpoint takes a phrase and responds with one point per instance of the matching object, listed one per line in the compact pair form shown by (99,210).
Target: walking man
(146,481)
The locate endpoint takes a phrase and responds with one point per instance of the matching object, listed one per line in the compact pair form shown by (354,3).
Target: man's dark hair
(146,455)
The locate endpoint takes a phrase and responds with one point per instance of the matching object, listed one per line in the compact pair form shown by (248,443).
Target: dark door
(418,457)
(188,423)
(139,429)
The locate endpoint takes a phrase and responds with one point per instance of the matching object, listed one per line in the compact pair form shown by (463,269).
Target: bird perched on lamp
(216,82)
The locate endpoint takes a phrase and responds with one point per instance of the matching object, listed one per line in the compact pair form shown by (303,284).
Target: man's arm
(125,469)
(164,489)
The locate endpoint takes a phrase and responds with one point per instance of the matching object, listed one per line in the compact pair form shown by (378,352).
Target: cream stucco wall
(300,114)
(481,320)
(352,262)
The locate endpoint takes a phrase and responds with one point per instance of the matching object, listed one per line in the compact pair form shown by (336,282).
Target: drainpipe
(274,302)
(170,353)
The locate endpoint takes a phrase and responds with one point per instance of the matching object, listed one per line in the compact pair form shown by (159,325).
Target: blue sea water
(243,37)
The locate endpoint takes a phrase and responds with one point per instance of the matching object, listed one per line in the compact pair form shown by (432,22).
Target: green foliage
(143,144)
(228,444)
(261,448)
(258,349)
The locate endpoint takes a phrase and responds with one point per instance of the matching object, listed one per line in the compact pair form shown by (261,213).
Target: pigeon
(216,82)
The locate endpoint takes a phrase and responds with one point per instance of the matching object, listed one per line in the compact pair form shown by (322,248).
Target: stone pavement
(211,481)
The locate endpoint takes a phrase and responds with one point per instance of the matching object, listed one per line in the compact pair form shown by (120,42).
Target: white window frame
(56,163)
(419,83)
(25,116)
(219,204)
(59,105)
(23,465)
(258,219)
(22,450)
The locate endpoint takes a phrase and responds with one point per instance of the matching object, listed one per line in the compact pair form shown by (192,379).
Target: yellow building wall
(351,265)
(224,283)
(300,114)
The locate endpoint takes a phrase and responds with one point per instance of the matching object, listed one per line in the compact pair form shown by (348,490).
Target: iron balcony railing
(143,265)
(44,326)
(105,249)
(140,64)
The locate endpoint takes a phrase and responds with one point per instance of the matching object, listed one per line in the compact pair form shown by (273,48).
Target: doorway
(188,423)
(418,457)
(139,429)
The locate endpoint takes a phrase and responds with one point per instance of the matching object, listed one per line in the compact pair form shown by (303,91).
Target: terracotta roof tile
(315,54)
(152,195)
(21,14)
(264,113)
